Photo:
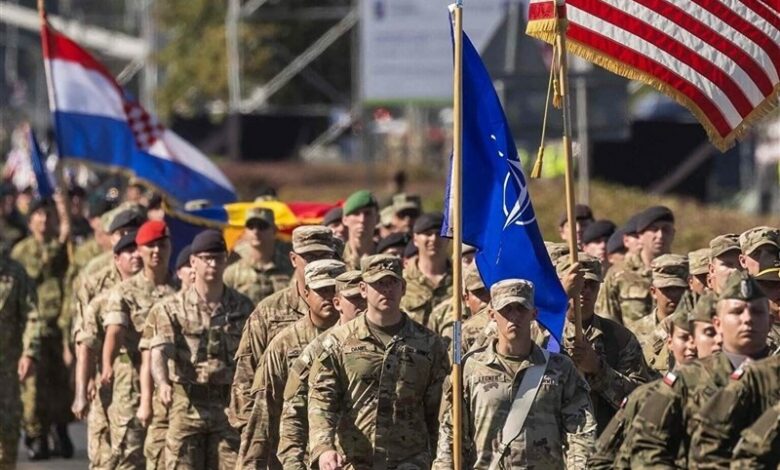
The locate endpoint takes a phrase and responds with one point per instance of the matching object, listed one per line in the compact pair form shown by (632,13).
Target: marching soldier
(360,216)
(760,249)
(698,265)
(724,260)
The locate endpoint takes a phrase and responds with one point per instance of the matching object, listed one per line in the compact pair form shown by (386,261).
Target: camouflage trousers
(199,435)
(154,446)
(127,434)
(47,395)
(10,416)
(98,434)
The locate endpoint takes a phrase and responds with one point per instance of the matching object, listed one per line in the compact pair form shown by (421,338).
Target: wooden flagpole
(456,206)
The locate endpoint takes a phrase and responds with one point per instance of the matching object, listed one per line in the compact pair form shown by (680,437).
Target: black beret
(38,203)
(392,240)
(98,206)
(127,241)
(208,241)
(651,215)
(332,216)
(183,257)
(615,242)
(428,221)
(581,212)
(598,229)
(410,250)
(630,227)
(127,218)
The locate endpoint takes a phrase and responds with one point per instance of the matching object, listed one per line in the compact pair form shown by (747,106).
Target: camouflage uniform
(750,392)
(561,415)
(12,229)
(759,445)
(258,282)
(397,426)
(154,445)
(200,345)
(625,294)
(421,295)
(81,256)
(128,305)
(442,318)
(19,336)
(473,328)
(47,395)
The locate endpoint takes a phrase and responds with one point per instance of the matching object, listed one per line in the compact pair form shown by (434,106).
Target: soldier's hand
(91,390)
(107,377)
(144,414)
(80,406)
(67,356)
(331,460)
(573,281)
(165,393)
(25,368)
(585,357)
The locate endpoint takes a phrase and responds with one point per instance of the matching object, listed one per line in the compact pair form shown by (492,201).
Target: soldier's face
(667,298)
(706,339)
(697,283)
(597,248)
(38,220)
(632,243)
(743,325)
(156,254)
(430,244)
(514,322)
(681,345)
(477,300)
(404,220)
(339,230)
(128,262)
(209,267)
(588,295)
(259,234)
(720,268)
(320,302)
(349,307)
(763,257)
(187,276)
(657,238)
(361,224)
(383,295)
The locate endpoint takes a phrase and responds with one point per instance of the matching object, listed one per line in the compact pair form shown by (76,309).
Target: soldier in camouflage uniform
(360,216)
(429,276)
(769,281)
(475,298)
(625,296)
(559,430)
(264,268)
(760,249)
(724,260)
(293,447)
(698,266)
(664,425)
(19,343)
(260,436)
(12,225)
(406,208)
(117,222)
(193,361)
(46,396)
(759,445)
(387,356)
(609,355)
(309,243)
(124,317)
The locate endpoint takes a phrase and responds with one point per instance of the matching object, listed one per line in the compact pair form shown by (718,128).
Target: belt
(203,392)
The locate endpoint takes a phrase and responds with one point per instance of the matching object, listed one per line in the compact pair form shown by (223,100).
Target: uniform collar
(536,357)
(363,331)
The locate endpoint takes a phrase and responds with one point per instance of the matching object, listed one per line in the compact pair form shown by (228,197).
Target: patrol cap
(615,242)
(466,249)
(723,244)
(375,267)
(127,218)
(332,216)
(704,309)
(151,231)
(699,261)
(322,273)
(670,271)
(751,239)
(511,291)
(741,286)
(308,238)
(428,221)
(358,200)
(410,250)
(472,281)
(348,283)
(127,241)
(260,215)
(556,250)
(581,212)
(183,258)
(589,266)
(405,202)
(38,204)
(208,241)
(598,229)
(651,215)
(386,216)
(769,274)
(397,239)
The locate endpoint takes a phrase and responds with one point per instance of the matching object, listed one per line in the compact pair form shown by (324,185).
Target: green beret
(358,200)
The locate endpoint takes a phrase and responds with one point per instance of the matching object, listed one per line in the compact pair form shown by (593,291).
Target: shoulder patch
(737,374)
(670,378)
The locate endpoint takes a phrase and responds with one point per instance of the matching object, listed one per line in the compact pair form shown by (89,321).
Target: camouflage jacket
(12,229)
(442,319)
(625,294)
(258,282)
(759,446)
(20,334)
(561,415)
(472,329)
(200,343)
(653,343)
(752,390)
(268,318)
(773,340)
(421,295)
(261,432)
(46,264)
(87,327)
(352,259)
(81,256)
(381,402)
(98,263)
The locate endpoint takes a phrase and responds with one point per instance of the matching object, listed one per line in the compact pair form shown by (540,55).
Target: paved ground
(78,433)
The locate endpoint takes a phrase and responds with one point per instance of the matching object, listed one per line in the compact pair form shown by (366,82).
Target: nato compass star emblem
(520,213)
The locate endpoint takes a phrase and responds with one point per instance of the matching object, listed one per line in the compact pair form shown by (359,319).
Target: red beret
(151,231)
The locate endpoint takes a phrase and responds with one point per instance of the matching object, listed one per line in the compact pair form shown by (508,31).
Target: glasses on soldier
(212,258)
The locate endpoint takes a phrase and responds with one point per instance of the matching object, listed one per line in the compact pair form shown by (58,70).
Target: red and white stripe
(720,56)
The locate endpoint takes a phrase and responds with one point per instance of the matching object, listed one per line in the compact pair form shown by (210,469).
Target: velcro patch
(737,374)
(670,378)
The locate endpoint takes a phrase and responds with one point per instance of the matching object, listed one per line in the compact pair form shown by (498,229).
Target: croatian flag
(97,122)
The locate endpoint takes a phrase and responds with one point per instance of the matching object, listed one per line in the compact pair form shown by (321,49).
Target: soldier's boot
(63,446)
(37,448)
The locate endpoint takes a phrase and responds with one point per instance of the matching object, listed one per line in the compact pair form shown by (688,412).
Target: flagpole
(457,235)
(560,39)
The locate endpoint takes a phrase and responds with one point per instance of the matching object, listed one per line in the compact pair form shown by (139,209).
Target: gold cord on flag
(552,83)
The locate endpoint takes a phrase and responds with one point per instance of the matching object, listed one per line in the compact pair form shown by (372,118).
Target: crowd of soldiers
(333,349)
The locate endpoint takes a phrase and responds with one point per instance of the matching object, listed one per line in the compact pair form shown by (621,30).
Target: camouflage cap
(681,315)
(670,271)
(308,238)
(472,281)
(699,261)
(723,244)
(741,286)
(511,291)
(466,249)
(348,283)
(770,274)
(751,239)
(261,214)
(375,267)
(386,216)
(322,273)
(556,250)
(704,309)
(589,266)
(403,202)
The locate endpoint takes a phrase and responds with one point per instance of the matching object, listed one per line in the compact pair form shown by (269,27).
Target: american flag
(719,58)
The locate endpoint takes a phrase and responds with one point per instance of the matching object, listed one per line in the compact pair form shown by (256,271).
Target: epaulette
(670,378)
